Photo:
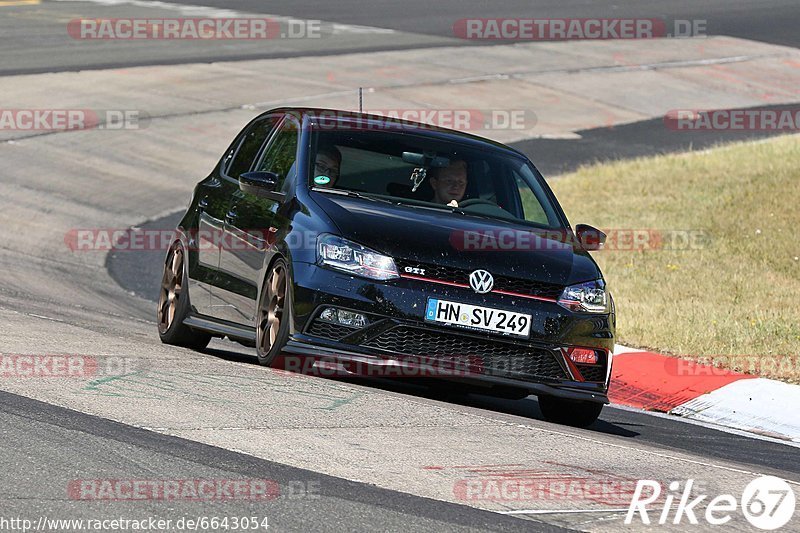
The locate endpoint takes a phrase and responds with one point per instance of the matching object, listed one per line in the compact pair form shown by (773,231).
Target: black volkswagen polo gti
(355,242)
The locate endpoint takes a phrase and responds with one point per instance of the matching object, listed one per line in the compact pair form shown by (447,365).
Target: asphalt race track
(345,505)
(135,272)
(359,455)
(32,42)
(749,19)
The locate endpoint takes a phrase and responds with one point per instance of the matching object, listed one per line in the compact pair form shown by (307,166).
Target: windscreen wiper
(352,194)
(460,211)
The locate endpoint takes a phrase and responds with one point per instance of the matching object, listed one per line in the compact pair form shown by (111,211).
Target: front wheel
(578,413)
(173,304)
(274,313)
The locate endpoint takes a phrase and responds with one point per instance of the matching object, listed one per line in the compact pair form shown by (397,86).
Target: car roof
(419,127)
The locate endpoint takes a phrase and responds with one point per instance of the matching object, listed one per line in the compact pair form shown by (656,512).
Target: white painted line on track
(44,317)
(563,511)
(683,63)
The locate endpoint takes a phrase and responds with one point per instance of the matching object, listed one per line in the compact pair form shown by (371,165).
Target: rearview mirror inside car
(426,160)
(590,237)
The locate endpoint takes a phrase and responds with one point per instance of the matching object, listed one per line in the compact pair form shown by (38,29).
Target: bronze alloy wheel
(171,290)
(271,310)
(174,306)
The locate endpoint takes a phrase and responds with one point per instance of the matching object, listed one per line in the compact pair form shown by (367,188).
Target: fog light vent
(583,356)
(343,317)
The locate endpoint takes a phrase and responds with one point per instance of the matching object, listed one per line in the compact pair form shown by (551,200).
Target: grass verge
(731,296)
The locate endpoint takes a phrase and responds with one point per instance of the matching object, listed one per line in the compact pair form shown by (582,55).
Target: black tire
(577,413)
(174,306)
(274,314)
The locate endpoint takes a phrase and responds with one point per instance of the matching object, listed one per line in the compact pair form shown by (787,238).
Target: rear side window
(254,138)
(281,154)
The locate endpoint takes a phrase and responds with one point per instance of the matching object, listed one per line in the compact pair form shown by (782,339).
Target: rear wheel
(272,326)
(173,304)
(578,413)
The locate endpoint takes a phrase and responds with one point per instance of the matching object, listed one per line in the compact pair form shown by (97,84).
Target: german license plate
(477,317)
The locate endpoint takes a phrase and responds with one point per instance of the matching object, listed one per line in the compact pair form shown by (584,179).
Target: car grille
(327,330)
(493,357)
(501,283)
(593,372)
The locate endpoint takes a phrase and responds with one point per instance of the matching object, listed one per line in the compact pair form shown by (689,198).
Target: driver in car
(449,183)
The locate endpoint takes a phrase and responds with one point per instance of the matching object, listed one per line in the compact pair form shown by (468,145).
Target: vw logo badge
(481,281)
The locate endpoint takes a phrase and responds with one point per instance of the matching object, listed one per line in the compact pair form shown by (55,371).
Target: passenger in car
(449,183)
(327,164)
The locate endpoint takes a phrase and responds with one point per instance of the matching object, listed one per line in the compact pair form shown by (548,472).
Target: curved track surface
(750,19)
(393,454)
(36,40)
(55,301)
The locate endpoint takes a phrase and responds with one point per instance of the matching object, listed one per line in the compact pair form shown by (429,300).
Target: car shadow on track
(435,390)
(527,408)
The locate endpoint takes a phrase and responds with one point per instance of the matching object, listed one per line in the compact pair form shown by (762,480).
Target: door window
(252,141)
(281,154)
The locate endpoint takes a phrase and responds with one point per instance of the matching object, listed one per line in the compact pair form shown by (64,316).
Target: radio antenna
(360,100)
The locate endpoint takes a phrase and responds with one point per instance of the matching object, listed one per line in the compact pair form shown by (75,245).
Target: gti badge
(481,281)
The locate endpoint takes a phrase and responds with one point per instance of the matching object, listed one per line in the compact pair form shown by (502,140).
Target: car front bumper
(399,342)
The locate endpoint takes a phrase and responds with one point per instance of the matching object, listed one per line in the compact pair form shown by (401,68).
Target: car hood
(441,238)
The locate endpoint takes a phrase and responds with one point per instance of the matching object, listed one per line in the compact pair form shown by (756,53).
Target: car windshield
(418,170)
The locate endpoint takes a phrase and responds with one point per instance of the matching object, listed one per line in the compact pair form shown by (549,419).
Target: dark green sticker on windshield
(322,180)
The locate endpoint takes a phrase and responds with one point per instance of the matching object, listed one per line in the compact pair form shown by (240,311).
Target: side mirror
(259,183)
(590,237)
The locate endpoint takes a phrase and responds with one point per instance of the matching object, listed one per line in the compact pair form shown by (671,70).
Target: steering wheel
(476,201)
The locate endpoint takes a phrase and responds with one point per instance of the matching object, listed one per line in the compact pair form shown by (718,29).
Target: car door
(214,208)
(254,221)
